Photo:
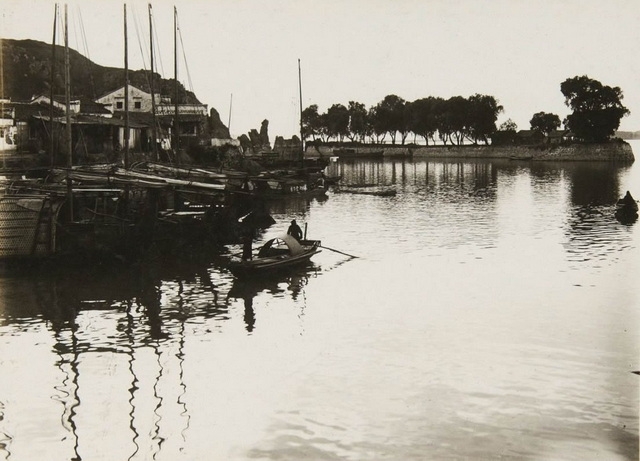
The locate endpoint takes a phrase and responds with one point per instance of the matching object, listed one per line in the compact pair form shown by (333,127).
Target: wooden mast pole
(230,108)
(126,92)
(176,136)
(67,92)
(301,130)
(51,89)
(153,96)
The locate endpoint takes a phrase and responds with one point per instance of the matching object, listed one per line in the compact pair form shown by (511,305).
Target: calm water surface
(492,314)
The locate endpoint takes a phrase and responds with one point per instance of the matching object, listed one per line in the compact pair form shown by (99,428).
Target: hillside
(27,72)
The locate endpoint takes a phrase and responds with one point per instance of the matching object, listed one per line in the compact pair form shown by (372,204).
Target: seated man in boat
(627,200)
(295,231)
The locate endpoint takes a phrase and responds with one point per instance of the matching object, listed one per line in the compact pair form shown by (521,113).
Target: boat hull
(28,226)
(273,264)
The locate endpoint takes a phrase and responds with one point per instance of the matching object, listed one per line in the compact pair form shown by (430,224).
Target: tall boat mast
(51,88)
(301,130)
(67,93)
(176,129)
(153,98)
(230,108)
(126,92)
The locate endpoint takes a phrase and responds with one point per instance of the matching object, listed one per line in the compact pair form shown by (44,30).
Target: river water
(492,313)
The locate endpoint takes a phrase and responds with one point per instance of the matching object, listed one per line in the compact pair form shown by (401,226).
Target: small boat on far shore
(277,253)
(360,191)
(627,209)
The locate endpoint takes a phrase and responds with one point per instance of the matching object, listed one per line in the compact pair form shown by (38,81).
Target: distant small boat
(278,253)
(627,210)
(377,193)
(520,157)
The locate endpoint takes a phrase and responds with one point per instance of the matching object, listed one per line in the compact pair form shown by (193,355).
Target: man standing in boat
(295,231)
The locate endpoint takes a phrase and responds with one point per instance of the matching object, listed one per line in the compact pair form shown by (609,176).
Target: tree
(357,120)
(544,123)
(377,124)
(453,120)
(506,134)
(422,117)
(482,115)
(508,125)
(597,108)
(311,122)
(337,121)
(391,115)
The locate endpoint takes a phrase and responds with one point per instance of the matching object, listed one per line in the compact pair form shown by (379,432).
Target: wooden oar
(337,251)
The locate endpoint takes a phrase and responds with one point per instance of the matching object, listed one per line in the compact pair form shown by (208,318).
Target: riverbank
(619,151)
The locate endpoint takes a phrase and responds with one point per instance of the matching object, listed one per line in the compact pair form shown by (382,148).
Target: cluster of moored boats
(108,210)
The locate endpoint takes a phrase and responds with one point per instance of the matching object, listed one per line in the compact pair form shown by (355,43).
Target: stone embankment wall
(609,152)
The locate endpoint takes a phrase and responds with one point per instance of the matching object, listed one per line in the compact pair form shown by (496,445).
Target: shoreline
(619,151)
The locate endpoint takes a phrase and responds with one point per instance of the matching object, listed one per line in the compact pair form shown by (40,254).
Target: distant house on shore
(139,101)
(559,136)
(190,116)
(529,137)
(59,102)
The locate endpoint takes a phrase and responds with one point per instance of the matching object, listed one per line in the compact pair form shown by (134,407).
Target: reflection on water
(490,301)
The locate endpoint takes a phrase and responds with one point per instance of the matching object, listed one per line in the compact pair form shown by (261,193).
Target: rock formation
(255,142)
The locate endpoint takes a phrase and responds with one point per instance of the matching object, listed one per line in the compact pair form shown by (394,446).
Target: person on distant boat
(295,231)
(627,200)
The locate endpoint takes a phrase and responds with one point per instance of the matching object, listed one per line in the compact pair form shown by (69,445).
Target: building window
(137,104)
(119,105)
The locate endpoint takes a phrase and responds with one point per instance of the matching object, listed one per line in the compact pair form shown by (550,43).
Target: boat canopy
(284,240)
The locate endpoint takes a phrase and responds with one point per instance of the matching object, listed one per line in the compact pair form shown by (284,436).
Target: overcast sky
(518,51)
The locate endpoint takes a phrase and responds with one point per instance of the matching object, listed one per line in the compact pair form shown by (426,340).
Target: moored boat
(627,209)
(277,253)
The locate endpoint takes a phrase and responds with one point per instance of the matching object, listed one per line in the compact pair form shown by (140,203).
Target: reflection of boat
(277,253)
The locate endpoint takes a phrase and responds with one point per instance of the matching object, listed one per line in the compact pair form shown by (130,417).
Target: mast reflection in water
(491,313)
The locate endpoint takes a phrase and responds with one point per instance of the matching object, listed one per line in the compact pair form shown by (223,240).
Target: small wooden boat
(377,193)
(278,253)
(627,210)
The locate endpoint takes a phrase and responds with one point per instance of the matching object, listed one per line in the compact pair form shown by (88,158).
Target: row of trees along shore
(597,110)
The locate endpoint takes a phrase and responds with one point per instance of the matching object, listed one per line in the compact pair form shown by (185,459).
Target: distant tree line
(452,121)
(597,111)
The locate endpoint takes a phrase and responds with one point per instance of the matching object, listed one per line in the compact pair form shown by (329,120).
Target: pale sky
(518,51)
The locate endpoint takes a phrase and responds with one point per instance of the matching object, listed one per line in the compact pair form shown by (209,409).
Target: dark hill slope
(27,72)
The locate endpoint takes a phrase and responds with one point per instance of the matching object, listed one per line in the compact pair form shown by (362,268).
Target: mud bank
(605,152)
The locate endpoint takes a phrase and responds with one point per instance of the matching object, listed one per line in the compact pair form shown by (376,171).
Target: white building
(139,101)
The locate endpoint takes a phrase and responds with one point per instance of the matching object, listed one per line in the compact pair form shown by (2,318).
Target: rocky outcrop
(264,133)
(255,142)
(217,129)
